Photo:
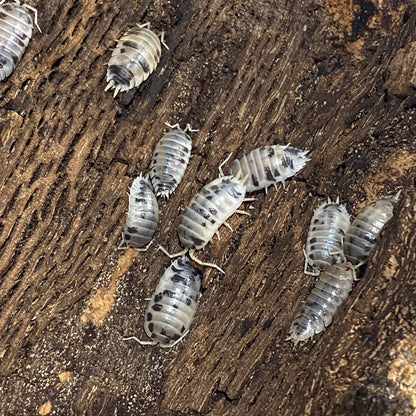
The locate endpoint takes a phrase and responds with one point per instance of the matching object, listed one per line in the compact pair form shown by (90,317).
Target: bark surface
(336,77)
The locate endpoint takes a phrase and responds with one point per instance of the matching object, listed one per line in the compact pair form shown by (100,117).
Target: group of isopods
(335,248)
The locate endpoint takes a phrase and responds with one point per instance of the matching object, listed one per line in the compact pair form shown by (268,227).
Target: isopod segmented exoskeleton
(326,235)
(135,57)
(172,307)
(333,286)
(269,164)
(143,215)
(170,159)
(209,209)
(363,232)
(16,28)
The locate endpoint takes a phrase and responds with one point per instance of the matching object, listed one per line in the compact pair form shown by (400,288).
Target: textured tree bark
(336,77)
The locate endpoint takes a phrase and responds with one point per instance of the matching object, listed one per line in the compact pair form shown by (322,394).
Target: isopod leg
(171,256)
(140,341)
(35,11)
(223,163)
(305,269)
(201,263)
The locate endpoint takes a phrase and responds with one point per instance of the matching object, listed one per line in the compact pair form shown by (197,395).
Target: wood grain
(245,74)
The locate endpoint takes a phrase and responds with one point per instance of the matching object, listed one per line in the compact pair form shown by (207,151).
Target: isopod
(143,215)
(363,232)
(209,209)
(333,286)
(135,57)
(16,29)
(326,235)
(268,165)
(172,306)
(170,159)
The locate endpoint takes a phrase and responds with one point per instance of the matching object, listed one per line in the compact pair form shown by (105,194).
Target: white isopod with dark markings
(135,57)
(268,165)
(363,232)
(209,209)
(326,235)
(143,215)
(16,28)
(172,307)
(333,286)
(170,159)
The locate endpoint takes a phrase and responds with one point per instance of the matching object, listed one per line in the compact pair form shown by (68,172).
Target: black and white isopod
(16,29)
(135,57)
(332,288)
(170,159)
(209,209)
(326,235)
(172,306)
(142,217)
(363,232)
(268,165)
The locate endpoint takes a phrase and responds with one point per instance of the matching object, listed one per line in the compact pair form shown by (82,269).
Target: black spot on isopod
(311,256)
(158,297)
(127,237)
(177,278)
(313,247)
(197,241)
(203,224)
(188,301)
(269,175)
(213,211)
(209,197)
(270,152)
(175,337)
(157,307)
(254,180)
(140,200)
(149,316)
(287,162)
(276,173)
(163,332)
(150,326)
(168,293)
(183,329)
(175,306)
(312,240)
(130,44)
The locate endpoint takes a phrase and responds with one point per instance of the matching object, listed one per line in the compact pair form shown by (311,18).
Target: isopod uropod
(135,57)
(16,28)
(363,232)
(267,165)
(172,306)
(170,159)
(326,234)
(333,286)
(143,215)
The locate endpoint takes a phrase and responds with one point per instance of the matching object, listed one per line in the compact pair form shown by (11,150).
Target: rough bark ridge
(336,77)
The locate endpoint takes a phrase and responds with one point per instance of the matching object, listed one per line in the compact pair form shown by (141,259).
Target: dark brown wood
(336,77)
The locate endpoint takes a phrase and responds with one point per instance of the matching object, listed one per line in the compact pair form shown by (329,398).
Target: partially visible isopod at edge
(209,209)
(332,288)
(16,29)
(135,57)
(268,165)
(325,241)
(362,235)
(173,304)
(142,217)
(170,159)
